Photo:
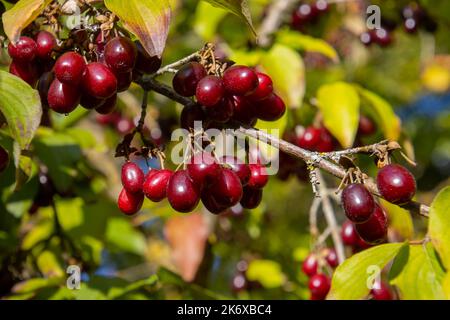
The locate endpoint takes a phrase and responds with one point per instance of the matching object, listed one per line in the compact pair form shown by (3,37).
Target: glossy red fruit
(182,193)
(211,204)
(45,42)
(69,68)
(319,285)
(326,143)
(99,81)
(396,184)
(331,257)
(23,50)
(366,126)
(302,15)
(240,168)
(264,88)
(120,54)
(310,265)
(124,81)
(4,159)
(271,108)
(190,115)
(227,188)
(258,176)
(221,112)
(89,102)
(202,167)
(320,6)
(187,78)
(382,37)
(366,38)
(240,80)
(358,202)
(25,71)
(108,105)
(145,63)
(348,234)
(381,291)
(243,110)
(310,138)
(209,91)
(410,25)
(132,177)
(130,203)
(63,98)
(155,184)
(251,198)
(44,82)
(374,231)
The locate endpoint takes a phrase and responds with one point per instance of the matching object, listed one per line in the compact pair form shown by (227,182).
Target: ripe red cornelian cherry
(132,177)
(310,265)
(221,112)
(187,78)
(155,184)
(45,43)
(264,88)
(331,257)
(182,193)
(348,234)
(381,291)
(99,81)
(258,176)
(374,230)
(319,286)
(69,68)
(202,167)
(63,98)
(210,202)
(24,50)
(130,203)
(240,80)
(310,138)
(26,71)
(120,54)
(227,188)
(209,91)
(251,198)
(271,108)
(239,167)
(145,63)
(108,105)
(191,114)
(396,184)
(366,126)
(358,202)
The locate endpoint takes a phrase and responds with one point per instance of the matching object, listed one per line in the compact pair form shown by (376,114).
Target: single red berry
(108,119)
(264,89)
(348,234)
(108,105)
(410,25)
(310,138)
(381,291)
(201,168)
(240,80)
(63,98)
(366,38)
(382,37)
(23,50)
(190,115)
(132,177)
(130,203)
(319,285)
(43,86)
(209,91)
(366,126)
(326,143)
(258,176)
(124,125)
(145,63)
(396,184)
(358,202)
(227,188)
(240,168)
(69,68)
(99,81)
(155,184)
(221,112)
(25,71)
(45,42)
(211,203)
(320,6)
(271,108)
(239,283)
(331,257)
(182,193)
(187,78)
(243,110)
(124,81)
(251,198)
(120,54)
(4,159)
(374,230)
(89,102)
(302,15)
(310,265)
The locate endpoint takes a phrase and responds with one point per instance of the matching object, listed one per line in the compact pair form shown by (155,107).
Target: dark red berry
(410,25)
(43,86)
(23,50)
(251,198)
(209,91)
(45,42)
(221,112)
(310,138)
(258,176)
(89,102)
(130,203)
(381,291)
(366,126)
(4,159)
(271,108)
(301,15)
(227,188)
(358,202)
(187,78)
(25,71)
(124,81)
(155,184)
(331,257)
(145,63)
(374,230)
(348,234)
(319,285)
(239,283)
(63,98)
(264,88)
(108,105)
(320,6)
(202,167)
(396,184)
(120,54)
(99,81)
(132,177)
(243,110)
(382,37)
(366,38)
(310,265)
(240,168)
(326,143)
(69,68)
(211,204)
(190,114)
(182,193)
(240,80)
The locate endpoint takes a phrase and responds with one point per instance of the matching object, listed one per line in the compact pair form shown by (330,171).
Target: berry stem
(172,68)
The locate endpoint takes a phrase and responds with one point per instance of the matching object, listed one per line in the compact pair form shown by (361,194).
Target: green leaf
(21,15)
(285,67)
(49,265)
(21,107)
(266,272)
(339,104)
(207,19)
(299,41)
(399,219)
(439,225)
(148,19)
(237,7)
(39,233)
(352,278)
(122,235)
(382,112)
(420,276)
(24,166)
(149,282)
(35,284)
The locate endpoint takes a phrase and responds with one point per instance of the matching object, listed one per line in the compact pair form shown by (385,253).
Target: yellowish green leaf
(237,7)
(207,18)
(266,272)
(399,219)
(439,225)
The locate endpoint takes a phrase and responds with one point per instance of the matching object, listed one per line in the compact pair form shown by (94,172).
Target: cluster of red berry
(241,94)
(319,282)
(219,183)
(306,13)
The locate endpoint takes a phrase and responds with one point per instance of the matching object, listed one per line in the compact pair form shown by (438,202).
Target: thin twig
(148,83)
(172,68)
